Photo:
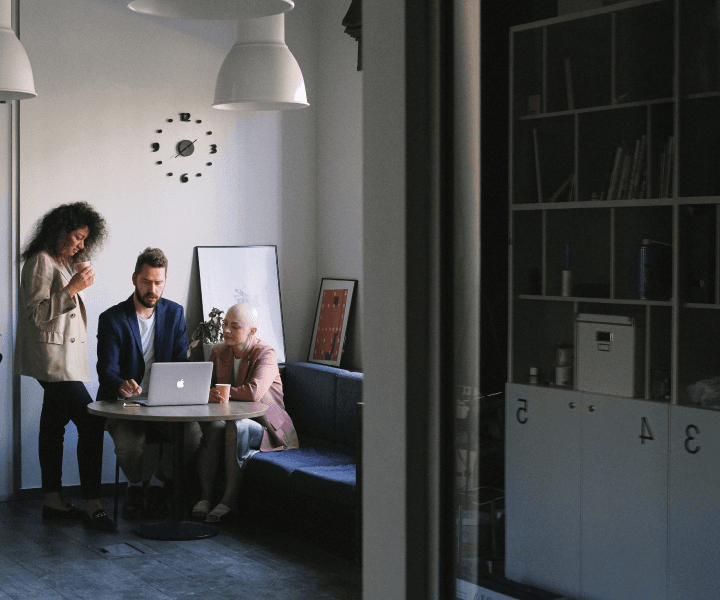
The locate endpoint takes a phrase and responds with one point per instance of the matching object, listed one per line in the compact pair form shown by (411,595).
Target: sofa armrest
(358,424)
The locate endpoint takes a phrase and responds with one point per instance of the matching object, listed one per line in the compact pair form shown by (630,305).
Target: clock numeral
(213,148)
(184,178)
(185,117)
(155,146)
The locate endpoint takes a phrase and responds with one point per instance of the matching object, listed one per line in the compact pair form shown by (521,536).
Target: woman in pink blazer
(250,367)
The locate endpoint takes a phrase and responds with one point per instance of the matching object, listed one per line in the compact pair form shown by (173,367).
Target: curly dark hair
(53,228)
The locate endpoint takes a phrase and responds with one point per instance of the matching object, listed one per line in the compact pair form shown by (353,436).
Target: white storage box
(607,357)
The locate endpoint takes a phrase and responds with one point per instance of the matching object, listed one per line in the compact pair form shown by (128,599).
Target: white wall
(107,79)
(339,244)
(7,325)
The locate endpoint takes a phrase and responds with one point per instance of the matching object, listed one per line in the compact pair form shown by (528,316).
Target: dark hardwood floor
(244,561)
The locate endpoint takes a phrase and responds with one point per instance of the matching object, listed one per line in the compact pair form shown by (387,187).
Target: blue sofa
(315,488)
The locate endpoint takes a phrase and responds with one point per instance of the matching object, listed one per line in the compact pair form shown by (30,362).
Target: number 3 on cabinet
(523,409)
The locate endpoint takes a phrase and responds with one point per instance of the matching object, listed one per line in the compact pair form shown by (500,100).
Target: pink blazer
(258,380)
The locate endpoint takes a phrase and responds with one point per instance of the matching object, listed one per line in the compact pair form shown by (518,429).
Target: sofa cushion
(321,400)
(309,396)
(275,467)
(329,483)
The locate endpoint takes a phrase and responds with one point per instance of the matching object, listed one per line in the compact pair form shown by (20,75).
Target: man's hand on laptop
(129,388)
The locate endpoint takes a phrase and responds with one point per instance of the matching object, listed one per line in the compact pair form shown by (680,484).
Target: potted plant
(208,332)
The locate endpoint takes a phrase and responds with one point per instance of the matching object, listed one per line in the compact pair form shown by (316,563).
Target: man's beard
(143,301)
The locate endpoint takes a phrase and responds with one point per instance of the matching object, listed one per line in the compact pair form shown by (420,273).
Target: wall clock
(184,148)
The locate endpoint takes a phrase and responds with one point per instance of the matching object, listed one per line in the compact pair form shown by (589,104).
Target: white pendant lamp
(16,78)
(260,73)
(211,9)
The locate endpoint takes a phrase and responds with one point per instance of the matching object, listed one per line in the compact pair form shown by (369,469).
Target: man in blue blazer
(132,335)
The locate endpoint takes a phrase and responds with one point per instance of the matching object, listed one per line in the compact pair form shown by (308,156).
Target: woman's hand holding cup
(220,394)
(83,278)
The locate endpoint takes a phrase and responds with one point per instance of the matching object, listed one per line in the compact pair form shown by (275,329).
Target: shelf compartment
(700,130)
(588,235)
(633,225)
(607,142)
(527,63)
(644,64)
(543,158)
(699,253)
(700,362)
(528,253)
(699,47)
(538,328)
(579,63)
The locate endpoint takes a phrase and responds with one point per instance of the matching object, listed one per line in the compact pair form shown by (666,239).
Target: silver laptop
(177,383)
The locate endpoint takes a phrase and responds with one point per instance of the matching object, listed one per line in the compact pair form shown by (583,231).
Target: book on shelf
(638,166)
(615,173)
(538,180)
(568,85)
(670,156)
(624,174)
(564,187)
(628,191)
(666,169)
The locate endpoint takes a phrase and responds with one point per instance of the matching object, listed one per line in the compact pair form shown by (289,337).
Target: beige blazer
(51,341)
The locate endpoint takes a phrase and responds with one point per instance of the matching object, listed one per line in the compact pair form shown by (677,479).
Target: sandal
(219,513)
(201,510)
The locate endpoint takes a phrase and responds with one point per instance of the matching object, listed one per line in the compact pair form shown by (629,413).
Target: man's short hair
(153,257)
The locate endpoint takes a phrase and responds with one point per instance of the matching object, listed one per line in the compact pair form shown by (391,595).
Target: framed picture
(331,319)
(236,274)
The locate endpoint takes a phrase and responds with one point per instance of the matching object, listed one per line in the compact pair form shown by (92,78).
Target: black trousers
(66,401)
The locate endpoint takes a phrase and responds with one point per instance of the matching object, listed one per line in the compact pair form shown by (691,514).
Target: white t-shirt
(147,339)
(236,366)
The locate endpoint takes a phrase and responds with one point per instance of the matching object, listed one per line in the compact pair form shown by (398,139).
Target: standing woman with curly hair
(51,347)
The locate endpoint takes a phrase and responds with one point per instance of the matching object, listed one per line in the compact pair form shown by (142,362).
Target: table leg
(175,529)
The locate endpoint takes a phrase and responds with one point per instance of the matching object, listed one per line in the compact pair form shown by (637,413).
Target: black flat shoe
(99,520)
(48,512)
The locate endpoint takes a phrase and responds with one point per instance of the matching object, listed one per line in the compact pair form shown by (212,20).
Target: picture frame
(331,319)
(234,274)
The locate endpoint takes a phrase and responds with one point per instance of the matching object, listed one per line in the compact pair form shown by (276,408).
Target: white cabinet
(542,490)
(694,504)
(624,498)
(586,493)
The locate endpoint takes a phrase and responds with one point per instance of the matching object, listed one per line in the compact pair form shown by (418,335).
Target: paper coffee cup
(224,389)
(81,266)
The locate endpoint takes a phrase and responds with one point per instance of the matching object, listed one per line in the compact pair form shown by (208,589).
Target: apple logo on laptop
(181,383)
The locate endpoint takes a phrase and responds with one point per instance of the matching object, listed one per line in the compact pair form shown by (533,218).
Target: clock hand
(185,148)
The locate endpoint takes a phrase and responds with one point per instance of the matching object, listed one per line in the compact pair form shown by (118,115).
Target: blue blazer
(119,348)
